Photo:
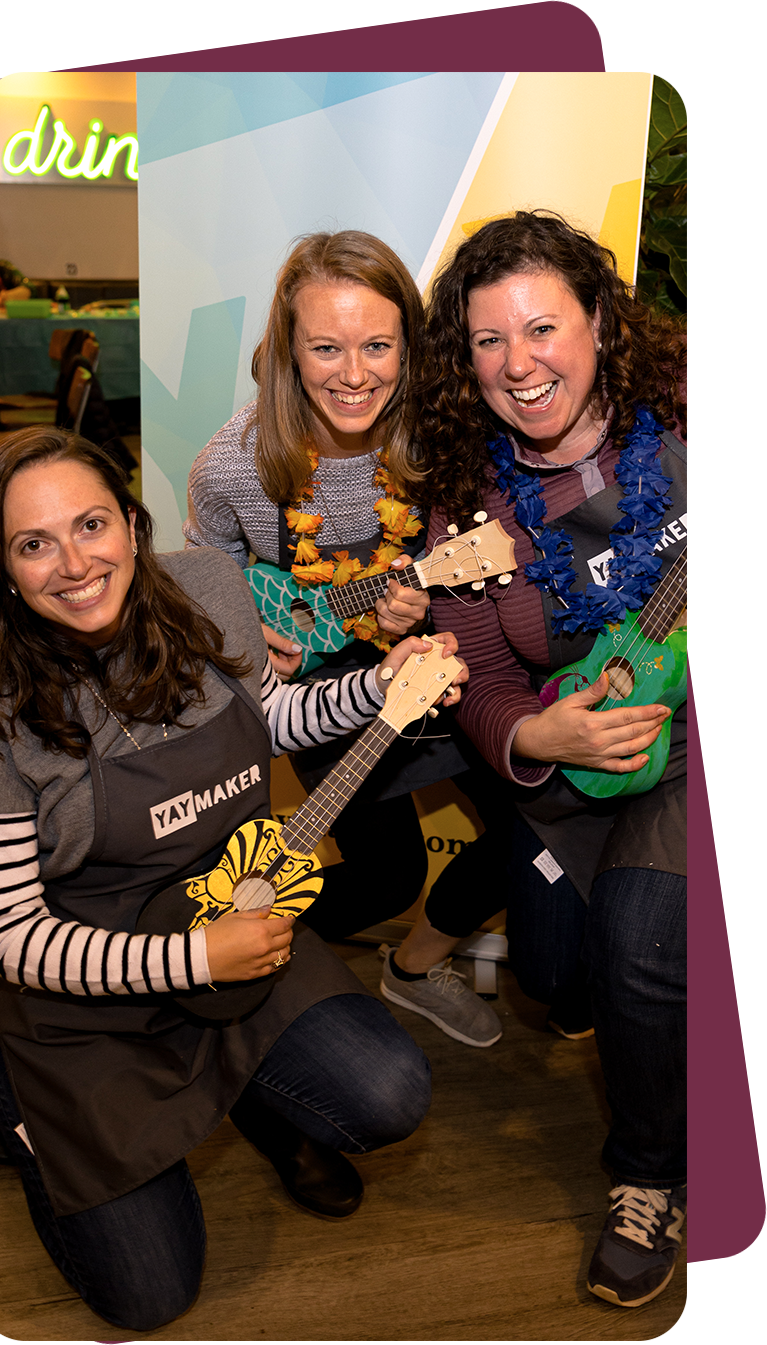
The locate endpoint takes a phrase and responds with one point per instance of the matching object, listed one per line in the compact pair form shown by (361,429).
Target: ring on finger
(279,961)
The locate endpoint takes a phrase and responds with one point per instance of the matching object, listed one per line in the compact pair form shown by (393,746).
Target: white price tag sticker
(548,866)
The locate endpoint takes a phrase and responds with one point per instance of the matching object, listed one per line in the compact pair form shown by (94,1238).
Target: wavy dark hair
(641,359)
(153,668)
(283,413)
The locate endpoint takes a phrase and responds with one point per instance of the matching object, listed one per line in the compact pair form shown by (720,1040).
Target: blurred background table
(25,366)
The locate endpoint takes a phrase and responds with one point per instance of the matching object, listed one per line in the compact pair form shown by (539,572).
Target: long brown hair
(283,414)
(640,361)
(153,668)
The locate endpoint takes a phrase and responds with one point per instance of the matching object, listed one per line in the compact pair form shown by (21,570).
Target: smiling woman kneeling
(121,704)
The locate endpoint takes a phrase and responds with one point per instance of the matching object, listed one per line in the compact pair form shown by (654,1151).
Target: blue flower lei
(634,569)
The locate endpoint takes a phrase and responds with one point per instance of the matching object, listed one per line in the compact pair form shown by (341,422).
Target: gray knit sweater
(228,508)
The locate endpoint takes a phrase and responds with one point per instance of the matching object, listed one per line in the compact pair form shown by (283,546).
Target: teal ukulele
(645,658)
(314,617)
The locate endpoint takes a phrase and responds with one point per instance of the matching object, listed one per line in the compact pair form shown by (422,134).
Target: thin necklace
(119,724)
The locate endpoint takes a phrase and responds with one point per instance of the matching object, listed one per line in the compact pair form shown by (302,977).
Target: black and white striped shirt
(43,952)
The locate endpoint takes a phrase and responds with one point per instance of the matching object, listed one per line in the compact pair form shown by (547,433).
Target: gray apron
(587,836)
(112,1090)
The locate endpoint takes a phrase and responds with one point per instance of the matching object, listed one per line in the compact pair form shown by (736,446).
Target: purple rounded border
(723,1149)
(514,38)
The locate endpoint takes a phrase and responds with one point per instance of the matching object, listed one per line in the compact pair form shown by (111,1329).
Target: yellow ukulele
(265,864)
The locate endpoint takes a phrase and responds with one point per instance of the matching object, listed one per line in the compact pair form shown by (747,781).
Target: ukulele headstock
(470,557)
(421,681)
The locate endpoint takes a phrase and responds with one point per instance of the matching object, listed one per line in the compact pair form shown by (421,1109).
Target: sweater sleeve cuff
(198,955)
(522,770)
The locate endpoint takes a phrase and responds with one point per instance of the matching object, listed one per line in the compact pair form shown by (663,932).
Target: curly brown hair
(283,414)
(153,668)
(640,363)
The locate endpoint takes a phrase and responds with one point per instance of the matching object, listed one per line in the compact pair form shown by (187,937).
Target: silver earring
(599,346)
(14,591)
(135,550)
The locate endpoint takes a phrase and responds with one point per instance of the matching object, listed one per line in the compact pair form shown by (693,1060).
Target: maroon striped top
(498,628)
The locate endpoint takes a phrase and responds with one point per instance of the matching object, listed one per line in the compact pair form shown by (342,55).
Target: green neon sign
(62,149)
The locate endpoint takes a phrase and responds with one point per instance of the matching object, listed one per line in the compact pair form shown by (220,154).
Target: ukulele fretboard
(665,606)
(316,816)
(361,594)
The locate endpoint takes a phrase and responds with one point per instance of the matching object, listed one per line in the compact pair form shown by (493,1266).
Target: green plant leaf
(668,119)
(666,170)
(669,237)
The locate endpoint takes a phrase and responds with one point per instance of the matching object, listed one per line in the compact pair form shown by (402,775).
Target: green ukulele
(645,658)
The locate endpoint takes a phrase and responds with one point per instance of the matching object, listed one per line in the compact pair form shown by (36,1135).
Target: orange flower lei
(398,522)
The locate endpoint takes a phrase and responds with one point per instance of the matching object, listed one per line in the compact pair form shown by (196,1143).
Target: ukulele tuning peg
(504,579)
(387,674)
(452,529)
(480,517)
(479,584)
(432,713)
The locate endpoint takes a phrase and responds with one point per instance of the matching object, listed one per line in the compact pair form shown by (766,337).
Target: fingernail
(295,648)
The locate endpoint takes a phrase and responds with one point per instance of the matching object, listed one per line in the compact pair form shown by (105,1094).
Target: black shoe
(570,1013)
(636,1254)
(318,1178)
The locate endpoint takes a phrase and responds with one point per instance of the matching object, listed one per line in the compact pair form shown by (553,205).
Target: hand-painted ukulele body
(265,865)
(645,656)
(314,617)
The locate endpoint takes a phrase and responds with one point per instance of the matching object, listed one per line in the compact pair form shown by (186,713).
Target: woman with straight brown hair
(315,478)
(138,715)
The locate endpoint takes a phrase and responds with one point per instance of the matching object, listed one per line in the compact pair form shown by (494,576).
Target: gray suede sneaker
(444,999)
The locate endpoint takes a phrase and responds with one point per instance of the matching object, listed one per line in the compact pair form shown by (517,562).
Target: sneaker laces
(639,1208)
(447,981)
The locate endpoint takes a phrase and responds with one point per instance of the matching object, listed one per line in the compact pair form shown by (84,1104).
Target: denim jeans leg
(545,922)
(137,1260)
(346,1074)
(636,951)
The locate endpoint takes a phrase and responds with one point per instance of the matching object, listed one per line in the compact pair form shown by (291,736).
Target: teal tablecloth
(26,367)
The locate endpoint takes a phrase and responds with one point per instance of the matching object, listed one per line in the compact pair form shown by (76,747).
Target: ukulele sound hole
(303,615)
(251,892)
(621,675)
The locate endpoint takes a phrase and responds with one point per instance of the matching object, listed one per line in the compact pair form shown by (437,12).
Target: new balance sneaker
(443,998)
(636,1254)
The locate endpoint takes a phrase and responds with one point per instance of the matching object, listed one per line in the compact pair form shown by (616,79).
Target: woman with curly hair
(554,403)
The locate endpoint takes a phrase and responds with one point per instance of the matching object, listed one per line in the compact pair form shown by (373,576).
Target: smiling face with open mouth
(69,549)
(534,351)
(348,345)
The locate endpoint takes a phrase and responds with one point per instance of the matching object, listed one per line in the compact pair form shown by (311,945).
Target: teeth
(83,594)
(352,399)
(529,394)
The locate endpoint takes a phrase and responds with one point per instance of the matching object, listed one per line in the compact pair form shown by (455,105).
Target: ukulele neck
(663,609)
(317,814)
(361,594)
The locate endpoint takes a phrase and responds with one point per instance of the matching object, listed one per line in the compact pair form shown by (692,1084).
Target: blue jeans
(636,952)
(630,942)
(344,1072)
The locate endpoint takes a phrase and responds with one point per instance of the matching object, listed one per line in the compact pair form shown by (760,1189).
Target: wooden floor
(480,1227)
